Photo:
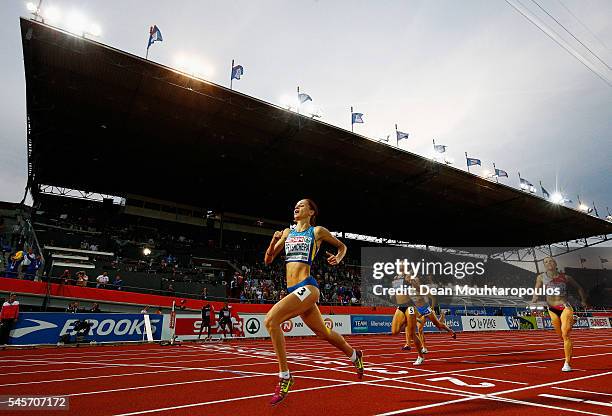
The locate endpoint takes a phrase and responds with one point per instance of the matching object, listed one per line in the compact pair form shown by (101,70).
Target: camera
(81,327)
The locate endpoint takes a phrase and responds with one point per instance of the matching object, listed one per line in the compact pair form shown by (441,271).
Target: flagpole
(147,54)
(595,209)
(351,119)
(232,75)
(466,162)
(396,138)
(298,107)
(495,173)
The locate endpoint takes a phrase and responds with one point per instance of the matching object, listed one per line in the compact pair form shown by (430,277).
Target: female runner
(405,315)
(301,245)
(420,321)
(424,311)
(560,311)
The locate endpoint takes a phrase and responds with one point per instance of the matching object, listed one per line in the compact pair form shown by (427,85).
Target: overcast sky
(473,74)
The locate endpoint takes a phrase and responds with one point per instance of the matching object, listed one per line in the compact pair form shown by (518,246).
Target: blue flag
(303,98)
(500,173)
(237,72)
(356,118)
(401,135)
(440,148)
(154,36)
(471,161)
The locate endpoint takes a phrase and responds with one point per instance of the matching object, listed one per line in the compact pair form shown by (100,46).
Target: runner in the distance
(405,315)
(560,311)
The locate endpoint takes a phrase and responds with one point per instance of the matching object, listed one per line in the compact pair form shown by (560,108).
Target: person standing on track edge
(207,314)
(301,245)
(8,316)
(225,319)
(560,311)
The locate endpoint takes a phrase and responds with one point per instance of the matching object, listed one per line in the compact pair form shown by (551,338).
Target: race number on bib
(302,293)
(410,310)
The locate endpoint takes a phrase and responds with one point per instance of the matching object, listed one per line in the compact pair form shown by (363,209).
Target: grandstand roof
(106,121)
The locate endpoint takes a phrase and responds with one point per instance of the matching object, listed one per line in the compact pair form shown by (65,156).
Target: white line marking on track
(582,391)
(575,399)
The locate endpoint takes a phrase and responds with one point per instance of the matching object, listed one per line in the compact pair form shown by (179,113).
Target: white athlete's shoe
(419,361)
(566,367)
(424,351)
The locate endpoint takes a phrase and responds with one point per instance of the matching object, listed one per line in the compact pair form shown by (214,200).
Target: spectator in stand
(82,279)
(145,310)
(204,293)
(118,283)
(66,278)
(33,266)
(8,316)
(170,291)
(16,234)
(159,311)
(14,265)
(73,307)
(95,308)
(102,281)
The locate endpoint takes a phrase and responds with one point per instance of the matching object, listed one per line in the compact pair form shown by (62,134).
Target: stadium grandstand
(199,225)
(152,200)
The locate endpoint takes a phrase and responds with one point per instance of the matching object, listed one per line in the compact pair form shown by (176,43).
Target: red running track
(501,373)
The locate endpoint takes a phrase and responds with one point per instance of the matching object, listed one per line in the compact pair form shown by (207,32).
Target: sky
(474,75)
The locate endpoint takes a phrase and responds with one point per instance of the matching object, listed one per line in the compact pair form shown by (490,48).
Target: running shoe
(566,367)
(284,384)
(424,351)
(419,360)
(406,347)
(359,364)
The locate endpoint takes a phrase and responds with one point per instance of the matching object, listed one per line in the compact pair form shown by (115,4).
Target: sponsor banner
(189,326)
(254,326)
(371,324)
(489,323)
(453,322)
(47,328)
(581,323)
(599,322)
(527,322)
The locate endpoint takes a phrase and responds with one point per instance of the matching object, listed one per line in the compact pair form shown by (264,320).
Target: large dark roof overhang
(106,121)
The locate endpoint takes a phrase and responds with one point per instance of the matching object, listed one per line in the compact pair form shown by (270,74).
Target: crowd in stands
(172,253)
(260,283)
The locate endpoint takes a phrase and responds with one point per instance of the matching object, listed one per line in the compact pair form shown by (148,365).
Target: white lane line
(494,395)
(491,379)
(576,400)
(582,391)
